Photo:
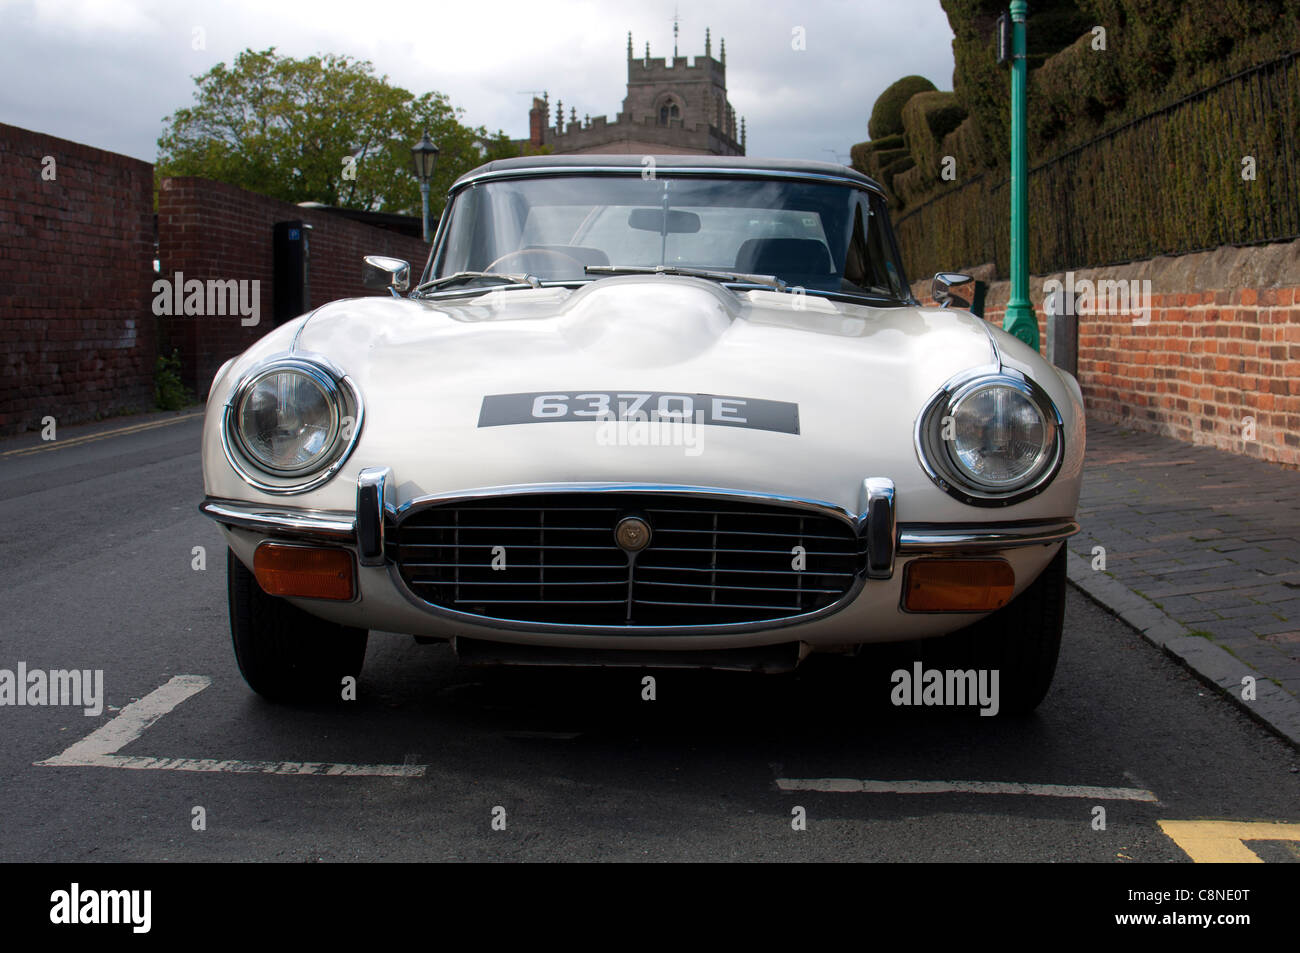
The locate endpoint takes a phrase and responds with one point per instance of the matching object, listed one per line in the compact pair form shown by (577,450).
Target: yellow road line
(1223,842)
(103,435)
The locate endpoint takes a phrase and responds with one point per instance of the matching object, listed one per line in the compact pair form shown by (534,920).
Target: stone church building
(673,106)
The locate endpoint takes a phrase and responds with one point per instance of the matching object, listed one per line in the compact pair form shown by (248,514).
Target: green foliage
(901,162)
(288,127)
(168,391)
(983,87)
(1166,185)
(866,157)
(887,114)
(860,157)
(909,185)
(1077,86)
(927,119)
(963,144)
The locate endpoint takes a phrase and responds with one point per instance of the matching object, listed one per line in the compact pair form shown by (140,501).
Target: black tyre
(286,654)
(1021,641)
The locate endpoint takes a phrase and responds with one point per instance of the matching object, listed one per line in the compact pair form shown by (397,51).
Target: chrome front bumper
(870,611)
(874,522)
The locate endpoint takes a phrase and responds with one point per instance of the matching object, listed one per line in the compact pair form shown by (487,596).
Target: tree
(323,129)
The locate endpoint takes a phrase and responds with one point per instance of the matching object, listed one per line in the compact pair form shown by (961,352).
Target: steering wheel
(539,251)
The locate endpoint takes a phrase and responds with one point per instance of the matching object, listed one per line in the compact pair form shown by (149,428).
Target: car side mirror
(941,289)
(383,273)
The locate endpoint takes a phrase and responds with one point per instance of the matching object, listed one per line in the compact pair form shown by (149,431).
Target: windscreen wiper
(521,279)
(770,281)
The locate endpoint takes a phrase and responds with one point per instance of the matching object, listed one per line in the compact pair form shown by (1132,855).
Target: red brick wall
(1222,349)
(210,230)
(76,258)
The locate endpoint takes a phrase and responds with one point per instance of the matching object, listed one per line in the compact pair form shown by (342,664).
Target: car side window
(884,236)
(869,263)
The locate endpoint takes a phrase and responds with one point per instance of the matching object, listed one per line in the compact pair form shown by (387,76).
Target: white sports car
(663,411)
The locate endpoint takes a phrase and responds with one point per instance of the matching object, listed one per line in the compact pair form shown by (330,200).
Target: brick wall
(76,255)
(1221,351)
(213,231)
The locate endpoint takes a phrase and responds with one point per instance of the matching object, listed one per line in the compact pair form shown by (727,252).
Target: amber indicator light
(308,571)
(958,585)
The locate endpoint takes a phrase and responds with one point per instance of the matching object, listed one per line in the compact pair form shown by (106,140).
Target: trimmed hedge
(878,159)
(963,144)
(1078,87)
(1168,183)
(982,86)
(887,114)
(927,119)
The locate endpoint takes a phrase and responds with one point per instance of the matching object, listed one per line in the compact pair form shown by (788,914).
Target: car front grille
(709,561)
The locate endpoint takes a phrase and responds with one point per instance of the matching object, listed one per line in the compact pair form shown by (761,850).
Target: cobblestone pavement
(1205,547)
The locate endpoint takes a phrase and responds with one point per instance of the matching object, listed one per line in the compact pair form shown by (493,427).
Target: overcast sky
(107,72)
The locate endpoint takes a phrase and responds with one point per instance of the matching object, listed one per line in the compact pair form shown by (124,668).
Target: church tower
(673,106)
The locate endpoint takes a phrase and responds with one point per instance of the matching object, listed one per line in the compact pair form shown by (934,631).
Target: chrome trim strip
(371,486)
(348,399)
(661,172)
(293,345)
(919,538)
(707,492)
(993,343)
(281,521)
(879,526)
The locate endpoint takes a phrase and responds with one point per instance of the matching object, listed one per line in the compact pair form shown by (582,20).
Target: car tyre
(1021,641)
(284,653)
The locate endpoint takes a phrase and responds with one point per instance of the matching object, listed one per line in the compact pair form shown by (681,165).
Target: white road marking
(131,721)
(243,767)
(855,786)
(99,748)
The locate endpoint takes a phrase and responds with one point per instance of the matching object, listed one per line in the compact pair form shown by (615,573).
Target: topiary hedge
(1168,183)
(1156,52)
(878,159)
(927,119)
(963,144)
(887,114)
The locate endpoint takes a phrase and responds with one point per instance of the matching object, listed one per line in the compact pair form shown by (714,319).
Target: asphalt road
(97,533)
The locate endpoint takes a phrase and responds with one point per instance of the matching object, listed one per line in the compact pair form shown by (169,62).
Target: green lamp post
(1019,318)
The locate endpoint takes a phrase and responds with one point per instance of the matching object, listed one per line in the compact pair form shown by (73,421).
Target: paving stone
(1274,628)
(1215,539)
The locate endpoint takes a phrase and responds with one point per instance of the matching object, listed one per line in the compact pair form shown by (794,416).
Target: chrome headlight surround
(936,454)
(347,413)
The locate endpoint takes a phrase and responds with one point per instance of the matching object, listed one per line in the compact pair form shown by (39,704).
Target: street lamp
(424,159)
(1019,316)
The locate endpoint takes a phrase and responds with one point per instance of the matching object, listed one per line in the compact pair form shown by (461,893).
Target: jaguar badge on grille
(632,534)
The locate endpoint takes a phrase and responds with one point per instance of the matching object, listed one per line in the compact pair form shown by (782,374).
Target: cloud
(107,72)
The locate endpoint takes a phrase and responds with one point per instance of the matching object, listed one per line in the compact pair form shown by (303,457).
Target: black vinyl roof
(745,164)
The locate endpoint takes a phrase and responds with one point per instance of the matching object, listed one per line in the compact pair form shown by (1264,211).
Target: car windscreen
(823,236)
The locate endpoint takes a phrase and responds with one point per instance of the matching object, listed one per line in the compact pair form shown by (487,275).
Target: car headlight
(290,424)
(991,439)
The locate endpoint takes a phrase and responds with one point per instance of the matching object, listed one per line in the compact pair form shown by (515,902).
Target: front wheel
(1021,641)
(284,653)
